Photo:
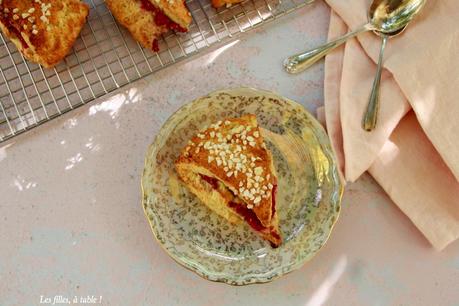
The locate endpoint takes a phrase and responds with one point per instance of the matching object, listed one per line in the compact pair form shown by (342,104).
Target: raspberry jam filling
(273,197)
(155,45)
(161,19)
(248,214)
(212,181)
(15,32)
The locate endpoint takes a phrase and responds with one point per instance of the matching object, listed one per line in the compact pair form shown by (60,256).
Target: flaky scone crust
(50,41)
(138,21)
(176,10)
(195,155)
(220,3)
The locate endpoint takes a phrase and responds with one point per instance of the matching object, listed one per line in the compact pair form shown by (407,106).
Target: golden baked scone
(176,10)
(228,167)
(139,22)
(44,31)
(220,3)
(146,20)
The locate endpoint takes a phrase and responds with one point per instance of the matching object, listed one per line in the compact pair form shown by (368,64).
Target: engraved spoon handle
(371,115)
(302,61)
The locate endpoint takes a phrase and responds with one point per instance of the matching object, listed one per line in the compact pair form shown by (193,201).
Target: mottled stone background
(72,223)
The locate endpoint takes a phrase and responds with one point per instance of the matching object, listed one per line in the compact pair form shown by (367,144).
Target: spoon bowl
(389,16)
(391,34)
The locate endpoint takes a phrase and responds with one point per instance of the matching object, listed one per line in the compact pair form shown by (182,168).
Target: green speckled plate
(308,200)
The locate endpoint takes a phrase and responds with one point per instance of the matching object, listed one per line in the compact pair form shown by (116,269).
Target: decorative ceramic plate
(308,199)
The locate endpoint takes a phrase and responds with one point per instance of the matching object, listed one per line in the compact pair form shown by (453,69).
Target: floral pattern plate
(308,199)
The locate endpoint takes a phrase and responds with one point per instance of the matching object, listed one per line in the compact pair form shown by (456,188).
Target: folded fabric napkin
(414,151)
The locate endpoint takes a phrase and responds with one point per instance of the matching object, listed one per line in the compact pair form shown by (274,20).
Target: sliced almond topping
(246,193)
(258,171)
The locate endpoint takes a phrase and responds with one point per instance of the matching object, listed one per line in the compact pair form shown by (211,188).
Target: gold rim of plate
(306,232)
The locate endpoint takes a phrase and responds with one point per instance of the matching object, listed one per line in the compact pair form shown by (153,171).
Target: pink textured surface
(72,224)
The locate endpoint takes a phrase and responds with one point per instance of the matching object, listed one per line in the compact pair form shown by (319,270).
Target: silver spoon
(385,16)
(371,115)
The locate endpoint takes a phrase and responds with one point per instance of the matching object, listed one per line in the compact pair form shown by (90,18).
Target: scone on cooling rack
(146,20)
(44,31)
(228,167)
(220,3)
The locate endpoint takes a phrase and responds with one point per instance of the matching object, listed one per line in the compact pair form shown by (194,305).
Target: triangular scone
(176,10)
(147,20)
(140,22)
(44,31)
(228,167)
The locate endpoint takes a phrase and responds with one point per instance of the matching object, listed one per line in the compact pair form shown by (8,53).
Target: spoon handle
(302,61)
(371,115)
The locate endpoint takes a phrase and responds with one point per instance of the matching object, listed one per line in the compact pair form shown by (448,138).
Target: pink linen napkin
(414,152)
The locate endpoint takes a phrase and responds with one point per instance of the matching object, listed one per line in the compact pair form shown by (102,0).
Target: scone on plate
(228,167)
(146,20)
(44,31)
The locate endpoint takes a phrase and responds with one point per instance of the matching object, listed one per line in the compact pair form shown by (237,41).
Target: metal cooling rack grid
(105,57)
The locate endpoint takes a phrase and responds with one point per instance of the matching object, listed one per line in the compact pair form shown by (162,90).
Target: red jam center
(248,214)
(155,45)
(15,32)
(273,197)
(212,181)
(161,19)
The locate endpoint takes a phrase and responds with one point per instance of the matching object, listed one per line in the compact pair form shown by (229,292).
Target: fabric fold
(426,190)
(414,152)
(424,64)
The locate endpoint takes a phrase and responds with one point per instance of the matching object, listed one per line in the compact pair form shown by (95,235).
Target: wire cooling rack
(105,57)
